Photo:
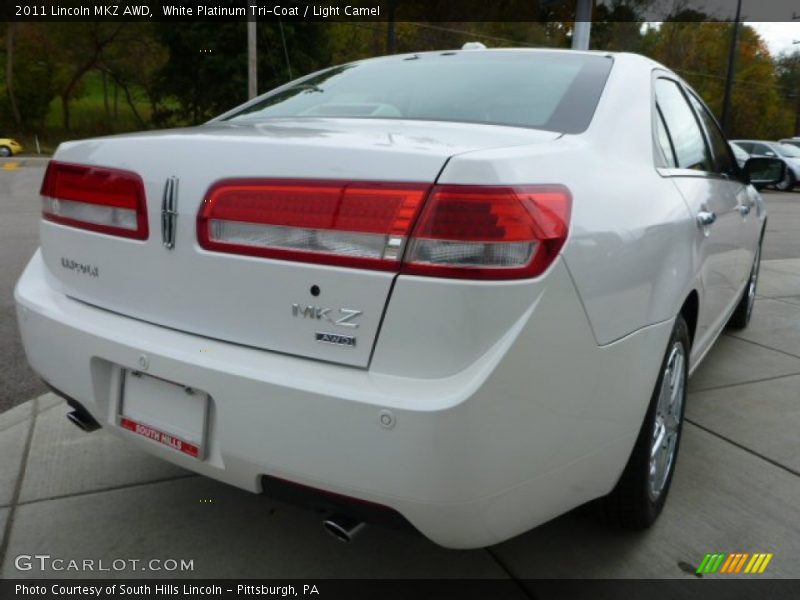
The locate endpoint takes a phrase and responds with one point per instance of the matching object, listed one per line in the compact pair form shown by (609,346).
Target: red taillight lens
(463,231)
(101,199)
(489,232)
(352,224)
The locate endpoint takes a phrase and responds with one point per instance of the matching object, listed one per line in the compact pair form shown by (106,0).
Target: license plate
(167,413)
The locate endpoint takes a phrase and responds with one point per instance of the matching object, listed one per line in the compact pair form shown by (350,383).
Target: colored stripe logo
(734,562)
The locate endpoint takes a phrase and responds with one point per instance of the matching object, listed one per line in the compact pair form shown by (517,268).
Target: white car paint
(512,401)
(313,148)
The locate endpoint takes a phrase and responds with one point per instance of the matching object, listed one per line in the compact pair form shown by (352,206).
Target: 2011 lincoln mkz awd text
(465,287)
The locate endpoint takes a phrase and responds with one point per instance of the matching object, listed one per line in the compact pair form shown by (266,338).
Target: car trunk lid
(318,311)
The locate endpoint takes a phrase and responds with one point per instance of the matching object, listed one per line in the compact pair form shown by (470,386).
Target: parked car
(788,153)
(795,141)
(452,288)
(9,147)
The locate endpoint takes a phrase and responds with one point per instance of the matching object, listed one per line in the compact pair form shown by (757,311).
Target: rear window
(554,91)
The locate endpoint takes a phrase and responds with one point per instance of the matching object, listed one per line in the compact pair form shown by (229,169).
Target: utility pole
(726,101)
(391,33)
(252,60)
(583,24)
(797,116)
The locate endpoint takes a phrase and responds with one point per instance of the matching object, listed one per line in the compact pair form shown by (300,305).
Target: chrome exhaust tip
(83,421)
(342,527)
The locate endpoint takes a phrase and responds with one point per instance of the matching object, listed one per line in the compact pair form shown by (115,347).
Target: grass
(88,115)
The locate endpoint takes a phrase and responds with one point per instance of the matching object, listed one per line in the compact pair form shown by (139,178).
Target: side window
(687,138)
(762,150)
(664,140)
(721,154)
(746,146)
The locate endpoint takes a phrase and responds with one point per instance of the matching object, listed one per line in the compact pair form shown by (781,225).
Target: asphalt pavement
(782,239)
(20,208)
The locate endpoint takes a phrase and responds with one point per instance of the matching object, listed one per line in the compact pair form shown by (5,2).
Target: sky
(779,36)
(771,18)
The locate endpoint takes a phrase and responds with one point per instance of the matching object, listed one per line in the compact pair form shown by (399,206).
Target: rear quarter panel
(631,244)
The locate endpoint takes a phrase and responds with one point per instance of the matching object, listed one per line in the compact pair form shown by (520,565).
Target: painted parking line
(23,161)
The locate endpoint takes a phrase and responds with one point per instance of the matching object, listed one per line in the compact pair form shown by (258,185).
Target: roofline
(531,49)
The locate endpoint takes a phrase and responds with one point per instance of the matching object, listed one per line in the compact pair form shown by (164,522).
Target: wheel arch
(689,311)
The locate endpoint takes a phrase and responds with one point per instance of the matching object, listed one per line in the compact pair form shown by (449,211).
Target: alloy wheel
(666,429)
(786,184)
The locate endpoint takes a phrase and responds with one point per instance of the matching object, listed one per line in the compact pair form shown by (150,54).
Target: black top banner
(397,10)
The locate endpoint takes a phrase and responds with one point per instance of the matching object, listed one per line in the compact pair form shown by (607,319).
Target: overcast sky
(771,18)
(779,36)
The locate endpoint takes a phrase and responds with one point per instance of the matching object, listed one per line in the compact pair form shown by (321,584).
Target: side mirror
(761,171)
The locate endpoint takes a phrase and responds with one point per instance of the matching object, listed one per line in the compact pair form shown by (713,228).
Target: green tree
(788,69)
(698,51)
(133,63)
(617,26)
(11,44)
(77,49)
(207,67)
(33,76)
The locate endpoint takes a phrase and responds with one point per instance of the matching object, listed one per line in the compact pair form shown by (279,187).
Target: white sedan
(462,290)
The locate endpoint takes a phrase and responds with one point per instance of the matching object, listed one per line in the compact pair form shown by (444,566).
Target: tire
(788,183)
(744,310)
(5,151)
(641,491)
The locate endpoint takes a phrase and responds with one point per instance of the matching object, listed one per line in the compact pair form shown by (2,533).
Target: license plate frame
(170,414)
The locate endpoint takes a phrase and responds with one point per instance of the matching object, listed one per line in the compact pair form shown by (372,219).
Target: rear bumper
(543,422)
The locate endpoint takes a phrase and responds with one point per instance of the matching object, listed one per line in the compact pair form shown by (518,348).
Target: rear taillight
(100,199)
(489,232)
(351,224)
(463,231)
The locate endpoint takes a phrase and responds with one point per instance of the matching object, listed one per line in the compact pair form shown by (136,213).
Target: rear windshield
(555,91)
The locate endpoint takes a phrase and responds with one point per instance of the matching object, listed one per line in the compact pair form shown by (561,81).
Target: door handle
(744,209)
(706,218)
